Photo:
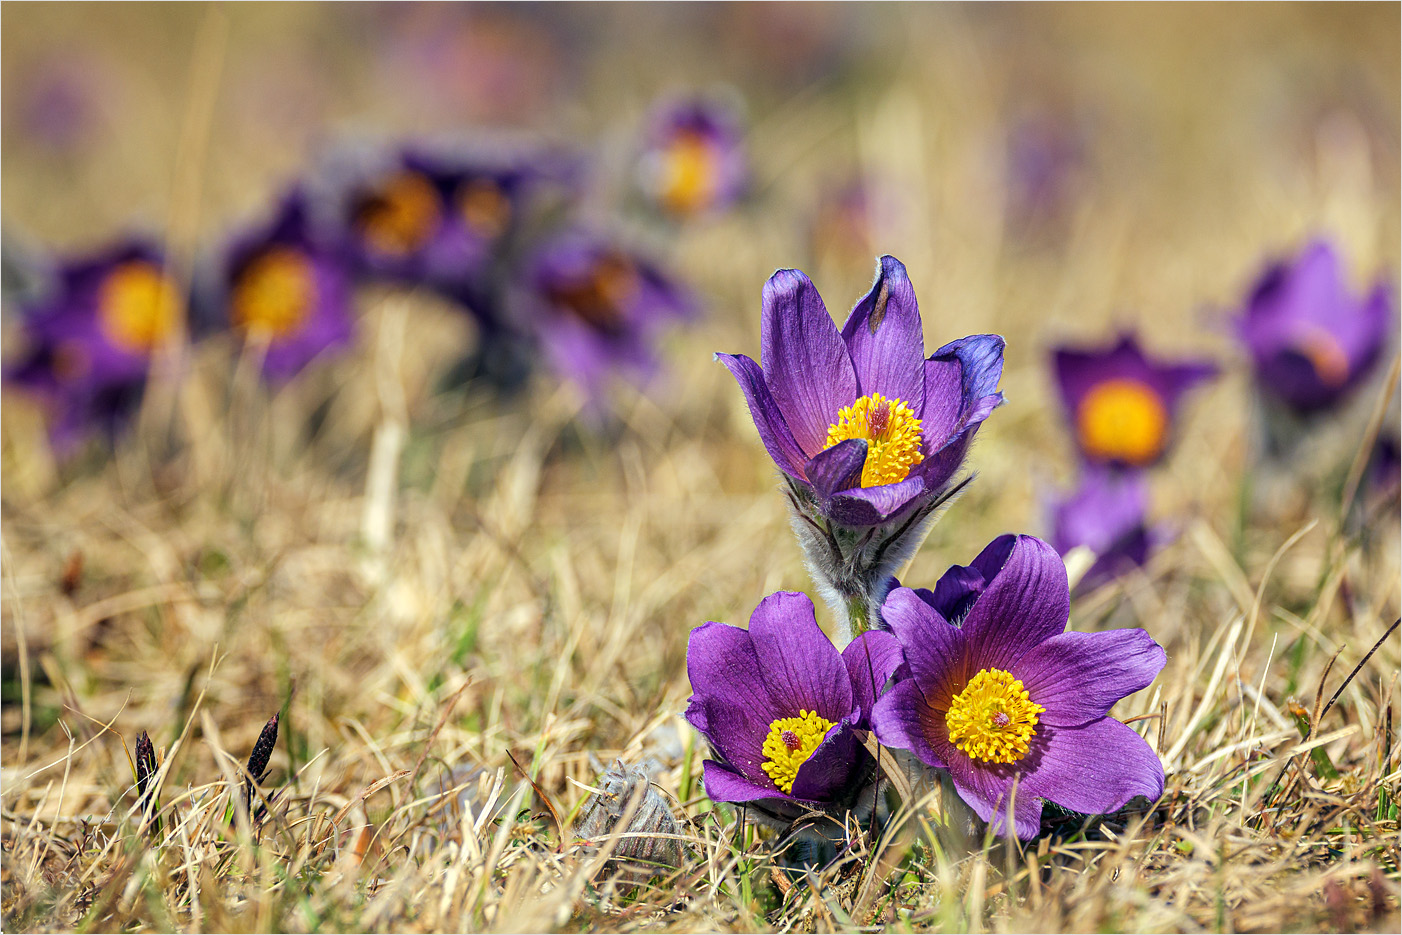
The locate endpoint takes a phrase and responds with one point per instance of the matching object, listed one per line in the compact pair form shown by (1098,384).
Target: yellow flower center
(1122,420)
(688,174)
(791,741)
(138,307)
(892,434)
(401,216)
(1323,352)
(992,719)
(485,208)
(274,293)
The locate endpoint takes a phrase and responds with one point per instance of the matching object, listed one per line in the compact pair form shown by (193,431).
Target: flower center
(992,719)
(137,307)
(274,293)
(400,216)
(892,434)
(1122,420)
(688,173)
(485,208)
(599,296)
(1328,359)
(791,741)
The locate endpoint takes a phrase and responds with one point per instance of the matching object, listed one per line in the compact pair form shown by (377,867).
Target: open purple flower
(1311,340)
(693,160)
(1013,707)
(426,217)
(864,424)
(90,334)
(779,705)
(1121,403)
(279,285)
(597,308)
(1106,514)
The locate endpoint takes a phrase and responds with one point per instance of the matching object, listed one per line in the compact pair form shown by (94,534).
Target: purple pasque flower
(780,705)
(1311,340)
(693,161)
(1106,514)
(279,286)
(596,307)
(859,420)
(1013,707)
(425,216)
(90,333)
(1121,403)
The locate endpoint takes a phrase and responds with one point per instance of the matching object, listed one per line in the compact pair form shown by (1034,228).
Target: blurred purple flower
(1045,158)
(866,427)
(91,334)
(1013,707)
(596,308)
(1313,342)
(279,285)
(1121,403)
(694,159)
(1106,514)
(428,218)
(59,102)
(779,705)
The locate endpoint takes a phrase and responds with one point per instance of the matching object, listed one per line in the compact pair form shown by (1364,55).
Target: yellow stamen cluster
(138,307)
(485,208)
(274,293)
(992,719)
(401,216)
(892,434)
(1122,420)
(688,174)
(1328,359)
(791,741)
(600,297)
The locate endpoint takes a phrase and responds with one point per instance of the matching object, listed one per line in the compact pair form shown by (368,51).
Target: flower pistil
(892,433)
(138,307)
(274,293)
(992,719)
(791,741)
(1122,419)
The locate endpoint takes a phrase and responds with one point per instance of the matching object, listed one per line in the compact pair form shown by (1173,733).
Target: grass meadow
(463,606)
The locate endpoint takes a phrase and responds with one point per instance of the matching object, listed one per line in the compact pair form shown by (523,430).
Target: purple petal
(769,421)
(805,363)
(934,649)
(885,338)
(829,772)
(871,660)
(1025,603)
(1078,677)
(837,468)
(955,592)
(993,790)
(903,720)
(961,387)
(726,678)
(726,785)
(871,506)
(1095,768)
(802,669)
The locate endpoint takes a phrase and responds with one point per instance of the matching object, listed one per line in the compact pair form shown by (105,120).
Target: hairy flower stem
(853,567)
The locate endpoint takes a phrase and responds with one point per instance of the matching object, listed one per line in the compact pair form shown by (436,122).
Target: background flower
(693,160)
(1311,341)
(1012,706)
(1121,404)
(1106,514)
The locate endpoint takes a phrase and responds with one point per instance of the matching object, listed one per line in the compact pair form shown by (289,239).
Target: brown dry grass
(437,588)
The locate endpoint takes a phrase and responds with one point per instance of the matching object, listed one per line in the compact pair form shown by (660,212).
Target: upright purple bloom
(779,706)
(867,430)
(1121,403)
(694,160)
(91,334)
(1106,514)
(1311,340)
(1014,708)
(597,307)
(280,285)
